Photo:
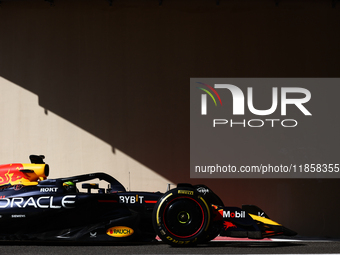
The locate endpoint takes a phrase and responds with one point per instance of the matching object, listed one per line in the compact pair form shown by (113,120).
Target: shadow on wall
(122,74)
(29,129)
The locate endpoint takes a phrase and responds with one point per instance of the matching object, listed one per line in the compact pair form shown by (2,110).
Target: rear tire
(182,217)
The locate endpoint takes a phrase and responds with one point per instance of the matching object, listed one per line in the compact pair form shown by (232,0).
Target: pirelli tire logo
(173,240)
(186,192)
(164,233)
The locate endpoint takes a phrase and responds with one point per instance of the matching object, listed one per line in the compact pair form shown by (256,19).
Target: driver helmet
(69,186)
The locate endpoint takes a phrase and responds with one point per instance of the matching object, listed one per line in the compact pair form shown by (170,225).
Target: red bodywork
(11,173)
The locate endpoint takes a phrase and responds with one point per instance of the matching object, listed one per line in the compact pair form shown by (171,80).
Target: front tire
(182,217)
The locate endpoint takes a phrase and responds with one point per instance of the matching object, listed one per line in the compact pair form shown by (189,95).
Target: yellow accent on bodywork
(39,171)
(264,220)
(24,182)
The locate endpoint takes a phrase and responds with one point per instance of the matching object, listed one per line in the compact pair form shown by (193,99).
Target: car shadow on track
(206,245)
(250,244)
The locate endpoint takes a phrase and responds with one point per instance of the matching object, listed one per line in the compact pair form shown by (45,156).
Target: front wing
(249,221)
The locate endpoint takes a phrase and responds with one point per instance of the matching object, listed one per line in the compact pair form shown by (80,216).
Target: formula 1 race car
(33,207)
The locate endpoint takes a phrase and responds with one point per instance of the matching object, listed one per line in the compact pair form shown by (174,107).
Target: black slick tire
(182,217)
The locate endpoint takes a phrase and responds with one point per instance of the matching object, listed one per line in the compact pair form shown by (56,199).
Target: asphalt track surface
(221,247)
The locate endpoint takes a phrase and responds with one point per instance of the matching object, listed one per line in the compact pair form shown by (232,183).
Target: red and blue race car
(33,207)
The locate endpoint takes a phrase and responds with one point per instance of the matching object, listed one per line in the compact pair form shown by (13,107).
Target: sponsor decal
(93,235)
(261,214)
(18,187)
(120,231)
(180,242)
(131,199)
(235,214)
(203,190)
(45,190)
(186,192)
(228,224)
(43,202)
(18,216)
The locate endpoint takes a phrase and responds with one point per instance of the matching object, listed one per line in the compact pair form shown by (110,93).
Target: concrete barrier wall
(106,88)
